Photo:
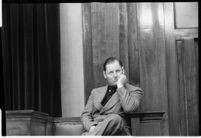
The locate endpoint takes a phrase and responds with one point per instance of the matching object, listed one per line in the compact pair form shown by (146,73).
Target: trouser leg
(112,125)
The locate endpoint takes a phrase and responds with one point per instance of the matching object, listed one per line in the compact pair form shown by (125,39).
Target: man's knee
(115,118)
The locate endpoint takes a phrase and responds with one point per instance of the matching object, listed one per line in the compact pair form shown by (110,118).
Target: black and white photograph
(99,69)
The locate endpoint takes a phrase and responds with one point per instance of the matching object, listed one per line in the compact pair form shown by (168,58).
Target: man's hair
(111,60)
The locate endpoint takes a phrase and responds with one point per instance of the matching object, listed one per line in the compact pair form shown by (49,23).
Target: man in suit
(105,111)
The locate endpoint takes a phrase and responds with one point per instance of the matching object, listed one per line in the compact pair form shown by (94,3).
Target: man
(105,111)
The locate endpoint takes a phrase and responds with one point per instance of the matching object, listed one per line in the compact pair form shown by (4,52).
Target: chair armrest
(146,115)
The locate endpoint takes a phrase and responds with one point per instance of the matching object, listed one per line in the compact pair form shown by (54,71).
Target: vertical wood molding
(181,93)
(133,46)
(123,36)
(188,86)
(172,83)
(87,50)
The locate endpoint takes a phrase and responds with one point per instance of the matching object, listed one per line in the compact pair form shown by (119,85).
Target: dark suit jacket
(125,100)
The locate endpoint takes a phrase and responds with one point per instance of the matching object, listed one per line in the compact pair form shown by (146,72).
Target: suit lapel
(112,101)
(99,97)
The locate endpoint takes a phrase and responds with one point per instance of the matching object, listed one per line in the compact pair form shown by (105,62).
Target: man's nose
(115,74)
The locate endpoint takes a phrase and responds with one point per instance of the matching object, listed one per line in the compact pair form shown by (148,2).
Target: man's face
(112,73)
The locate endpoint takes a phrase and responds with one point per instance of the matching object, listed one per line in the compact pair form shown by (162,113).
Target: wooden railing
(30,122)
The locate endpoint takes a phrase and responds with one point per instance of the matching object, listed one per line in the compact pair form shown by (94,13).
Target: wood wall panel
(181,94)
(28,123)
(87,50)
(133,47)
(147,129)
(152,61)
(175,38)
(186,14)
(177,116)
(172,71)
(115,31)
(145,40)
(105,36)
(123,36)
(188,86)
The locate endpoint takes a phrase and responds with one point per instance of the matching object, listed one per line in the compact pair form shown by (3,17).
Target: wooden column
(72,78)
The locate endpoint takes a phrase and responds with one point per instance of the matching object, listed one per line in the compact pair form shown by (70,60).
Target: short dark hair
(111,60)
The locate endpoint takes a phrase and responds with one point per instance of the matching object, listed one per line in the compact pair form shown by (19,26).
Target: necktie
(110,91)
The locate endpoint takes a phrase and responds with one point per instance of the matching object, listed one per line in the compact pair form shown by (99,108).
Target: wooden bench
(30,122)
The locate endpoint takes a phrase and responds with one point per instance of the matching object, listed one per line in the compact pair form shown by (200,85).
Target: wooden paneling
(135,126)
(178,42)
(181,94)
(133,47)
(87,50)
(150,129)
(147,124)
(152,60)
(143,36)
(105,36)
(108,30)
(171,68)
(188,86)
(116,30)
(123,36)
(28,122)
(186,14)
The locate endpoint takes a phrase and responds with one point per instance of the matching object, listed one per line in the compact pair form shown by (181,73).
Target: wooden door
(182,67)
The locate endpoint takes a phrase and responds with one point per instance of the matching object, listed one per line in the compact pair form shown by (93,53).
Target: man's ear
(123,70)
(104,74)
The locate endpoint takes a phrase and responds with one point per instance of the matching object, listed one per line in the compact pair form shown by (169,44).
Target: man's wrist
(119,85)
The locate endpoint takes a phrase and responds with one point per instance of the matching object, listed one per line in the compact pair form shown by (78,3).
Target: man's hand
(100,118)
(121,81)
(92,128)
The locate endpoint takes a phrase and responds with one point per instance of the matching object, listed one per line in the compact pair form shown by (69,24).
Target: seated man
(105,110)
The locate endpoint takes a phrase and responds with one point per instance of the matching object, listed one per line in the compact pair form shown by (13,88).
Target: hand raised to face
(122,80)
